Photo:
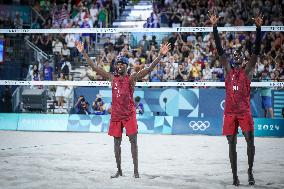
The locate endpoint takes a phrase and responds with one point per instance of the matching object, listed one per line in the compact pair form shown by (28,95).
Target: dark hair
(137,99)
(99,100)
(83,99)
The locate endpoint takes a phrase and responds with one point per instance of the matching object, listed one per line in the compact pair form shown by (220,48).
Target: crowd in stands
(183,13)
(77,13)
(193,56)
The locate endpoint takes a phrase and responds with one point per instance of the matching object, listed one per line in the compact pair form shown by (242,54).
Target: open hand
(213,17)
(80,46)
(165,48)
(258,20)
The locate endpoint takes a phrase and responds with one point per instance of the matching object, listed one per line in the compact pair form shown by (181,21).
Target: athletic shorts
(116,127)
(232,122)
(266,102)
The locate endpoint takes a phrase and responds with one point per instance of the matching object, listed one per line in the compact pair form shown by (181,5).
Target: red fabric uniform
(237,107)
(123,108)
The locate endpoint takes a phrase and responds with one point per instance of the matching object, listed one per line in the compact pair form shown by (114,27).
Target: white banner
(143,30)
(142,84)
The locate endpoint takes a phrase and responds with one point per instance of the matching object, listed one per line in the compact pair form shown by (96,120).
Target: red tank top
(237,92)
(122,107)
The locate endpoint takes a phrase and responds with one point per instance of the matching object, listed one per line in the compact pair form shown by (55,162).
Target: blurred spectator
(153,21)
(144,44)
(35,74)
(63,14)
(6,99)
(86,36)
(47,72)
(65,67)
(266,95)
(70,41)
(119,44)
(103,17)
(175,20)
(46,43)
(35,23)
(182,74)
(153,42)
(59,94)
(57,46)
(173,68)
(94,12)
(206,73)
(99,106)
(84,109)
(18,21)
(82,106)
(108,46)
(164,18)
(139,105)
(196,71)
(65,51)
(266,101)
(156,74)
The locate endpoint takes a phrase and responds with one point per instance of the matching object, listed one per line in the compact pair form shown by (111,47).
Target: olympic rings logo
(199,125)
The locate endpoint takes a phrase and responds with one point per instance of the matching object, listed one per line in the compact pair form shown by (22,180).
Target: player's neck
(237,67)
(122,74)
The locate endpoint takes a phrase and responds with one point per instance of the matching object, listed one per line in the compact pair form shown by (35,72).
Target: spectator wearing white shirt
(70,39)
(57,46)
(65,51)
(172,66)
(94,12)
(206,72)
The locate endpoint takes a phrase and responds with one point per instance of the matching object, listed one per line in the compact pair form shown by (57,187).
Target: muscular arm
(252,62)
(97,69)
(220,50)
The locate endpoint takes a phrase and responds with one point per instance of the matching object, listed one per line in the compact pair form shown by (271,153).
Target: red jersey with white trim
(122,107)
(237,92)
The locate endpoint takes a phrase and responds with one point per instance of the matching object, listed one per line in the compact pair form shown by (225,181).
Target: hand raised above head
(213,17)
(80,46)
(258,20)
(164,49)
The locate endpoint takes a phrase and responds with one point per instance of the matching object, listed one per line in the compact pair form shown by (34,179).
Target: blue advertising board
(180,125)
(200,126)
(9,121)
(43,122)
(86,123)
(268,127)
(187,102)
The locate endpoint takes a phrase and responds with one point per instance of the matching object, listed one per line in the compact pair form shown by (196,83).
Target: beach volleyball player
(237,103)
(123,112)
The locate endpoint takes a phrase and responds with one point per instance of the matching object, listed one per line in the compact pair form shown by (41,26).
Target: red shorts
(232,122)
(116,127)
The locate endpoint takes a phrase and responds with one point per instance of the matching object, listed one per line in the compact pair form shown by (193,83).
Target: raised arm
(214,19)
(100,71)
(142,73)
(252,62)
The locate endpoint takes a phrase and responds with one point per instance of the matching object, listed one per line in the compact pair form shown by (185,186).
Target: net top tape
(144,30)
(138,84)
